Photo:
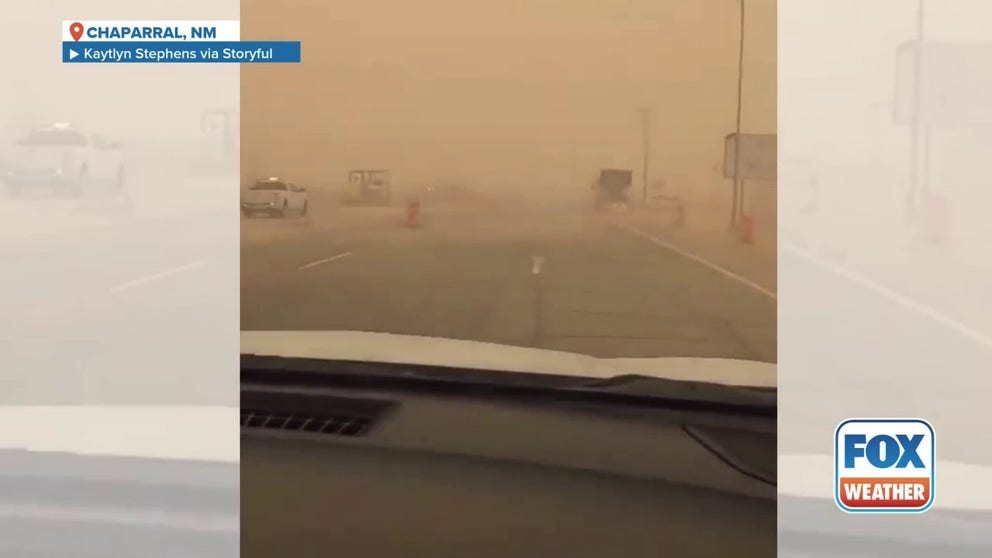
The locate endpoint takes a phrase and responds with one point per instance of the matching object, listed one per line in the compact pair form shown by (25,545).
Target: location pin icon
(76,30)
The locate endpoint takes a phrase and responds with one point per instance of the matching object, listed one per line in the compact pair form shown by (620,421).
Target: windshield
(266,185)
(660,258)
(53,138)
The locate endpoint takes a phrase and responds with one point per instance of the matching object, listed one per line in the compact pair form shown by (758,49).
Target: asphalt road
(546,275)
(853,346)
(81,306)
(112,309)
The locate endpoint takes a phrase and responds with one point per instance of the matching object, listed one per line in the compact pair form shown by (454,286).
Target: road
(852,346)
(546,275)
(82,306)
(108,308)
(863,341)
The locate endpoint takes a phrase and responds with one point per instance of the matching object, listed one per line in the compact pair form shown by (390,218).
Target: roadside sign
(759,156)
(956,84)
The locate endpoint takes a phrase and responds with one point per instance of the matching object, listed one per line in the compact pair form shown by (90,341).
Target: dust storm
(534,97)
(514,211)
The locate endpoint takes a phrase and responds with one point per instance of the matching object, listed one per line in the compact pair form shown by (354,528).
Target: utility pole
(911,193)
(646,113)
(735,205)
(229,140)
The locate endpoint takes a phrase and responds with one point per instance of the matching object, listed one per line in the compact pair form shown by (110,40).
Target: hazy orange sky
(542,91)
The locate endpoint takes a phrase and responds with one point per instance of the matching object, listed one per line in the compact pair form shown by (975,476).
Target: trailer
(611,187)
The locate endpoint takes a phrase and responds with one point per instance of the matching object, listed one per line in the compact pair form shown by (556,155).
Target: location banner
(170,42)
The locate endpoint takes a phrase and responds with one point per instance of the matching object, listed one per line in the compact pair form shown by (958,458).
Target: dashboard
(357,472)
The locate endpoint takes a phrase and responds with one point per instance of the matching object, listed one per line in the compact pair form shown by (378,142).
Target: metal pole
(911,193)
(737,129)
(925,178)
(227,132)
(646,130)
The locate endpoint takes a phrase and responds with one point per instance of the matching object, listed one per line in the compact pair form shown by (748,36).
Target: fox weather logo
(884,465)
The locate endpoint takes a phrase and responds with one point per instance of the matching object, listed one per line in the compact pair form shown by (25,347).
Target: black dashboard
(344,471)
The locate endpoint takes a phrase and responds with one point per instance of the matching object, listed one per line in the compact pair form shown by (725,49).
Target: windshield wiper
(638,391)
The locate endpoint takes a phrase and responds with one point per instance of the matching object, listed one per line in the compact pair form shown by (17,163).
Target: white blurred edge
(812,476)
(187,433)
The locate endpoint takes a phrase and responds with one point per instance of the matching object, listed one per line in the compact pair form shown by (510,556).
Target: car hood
(433,351)
(212,433)
(32,157)
(260,196)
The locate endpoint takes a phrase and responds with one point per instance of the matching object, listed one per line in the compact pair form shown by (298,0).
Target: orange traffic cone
(413,213)
(745,229)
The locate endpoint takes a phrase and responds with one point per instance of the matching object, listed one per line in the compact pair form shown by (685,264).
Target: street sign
(956,84)
(759,156)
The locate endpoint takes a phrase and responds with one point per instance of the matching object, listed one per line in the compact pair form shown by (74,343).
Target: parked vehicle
(276,197)
(66,161)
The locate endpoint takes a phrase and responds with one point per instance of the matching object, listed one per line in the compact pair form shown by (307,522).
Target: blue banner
(181,52)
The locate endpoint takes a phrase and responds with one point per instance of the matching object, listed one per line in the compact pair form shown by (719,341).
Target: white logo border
(933,466)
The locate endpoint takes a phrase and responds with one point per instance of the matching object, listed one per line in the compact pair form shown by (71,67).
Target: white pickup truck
(276,197)
(64,160)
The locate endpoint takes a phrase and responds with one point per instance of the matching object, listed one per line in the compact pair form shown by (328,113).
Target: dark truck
(611,188)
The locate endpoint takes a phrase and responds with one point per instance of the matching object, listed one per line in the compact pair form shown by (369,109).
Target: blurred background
(509,95)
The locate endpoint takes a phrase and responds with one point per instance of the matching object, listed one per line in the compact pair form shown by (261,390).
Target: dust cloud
(517,107)
(78,256)
(506,98)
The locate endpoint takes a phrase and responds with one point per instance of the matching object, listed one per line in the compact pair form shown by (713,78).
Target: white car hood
(206,433)
(261,196)
(32,157)
(433,351)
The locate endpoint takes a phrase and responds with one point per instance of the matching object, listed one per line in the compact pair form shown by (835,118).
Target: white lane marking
(325,260)
(535,268)
(155,277)
(722,270)
(914,305)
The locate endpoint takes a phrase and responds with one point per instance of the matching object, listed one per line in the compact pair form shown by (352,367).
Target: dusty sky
(517,88)
(155,104)
(838,93)
(542,91)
